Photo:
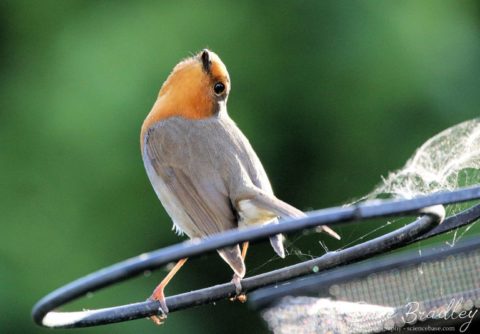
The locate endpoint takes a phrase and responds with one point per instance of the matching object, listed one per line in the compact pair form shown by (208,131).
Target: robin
(203,168)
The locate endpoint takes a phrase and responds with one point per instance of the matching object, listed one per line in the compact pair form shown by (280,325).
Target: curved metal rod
(42,310)
(389,241)
(463,218)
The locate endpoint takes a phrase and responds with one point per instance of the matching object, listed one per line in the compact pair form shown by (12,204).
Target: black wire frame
(427,224)
(318,285)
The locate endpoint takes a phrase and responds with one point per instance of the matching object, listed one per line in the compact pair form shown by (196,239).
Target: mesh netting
(389,299)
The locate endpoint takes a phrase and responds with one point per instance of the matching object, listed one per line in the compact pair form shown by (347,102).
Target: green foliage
(332,94)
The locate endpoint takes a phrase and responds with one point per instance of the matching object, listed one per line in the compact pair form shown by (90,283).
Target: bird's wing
(261,201)
(202,197)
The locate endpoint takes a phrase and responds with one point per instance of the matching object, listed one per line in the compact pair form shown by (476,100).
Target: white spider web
(447,161)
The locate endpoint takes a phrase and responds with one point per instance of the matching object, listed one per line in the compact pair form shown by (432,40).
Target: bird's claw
(240,296)
(159,319)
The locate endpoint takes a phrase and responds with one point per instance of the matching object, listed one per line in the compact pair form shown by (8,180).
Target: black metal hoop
(427,225)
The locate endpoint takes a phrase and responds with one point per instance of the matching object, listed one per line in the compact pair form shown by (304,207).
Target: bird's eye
(219,88)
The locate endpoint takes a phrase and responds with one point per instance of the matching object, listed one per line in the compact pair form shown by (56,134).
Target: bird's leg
(241,297)
(244,250)
(158,294)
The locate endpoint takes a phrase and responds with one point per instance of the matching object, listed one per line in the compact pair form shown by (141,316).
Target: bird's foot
(159,296)
(241,297)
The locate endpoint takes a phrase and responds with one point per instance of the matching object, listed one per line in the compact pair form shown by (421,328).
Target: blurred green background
(332,94)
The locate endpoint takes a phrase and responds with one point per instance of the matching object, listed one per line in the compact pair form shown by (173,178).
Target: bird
(203,168)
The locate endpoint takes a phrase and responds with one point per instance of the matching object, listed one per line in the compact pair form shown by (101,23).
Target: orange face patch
(188,91)
(218,72)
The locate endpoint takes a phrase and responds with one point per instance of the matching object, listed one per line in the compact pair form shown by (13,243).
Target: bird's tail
(233,257)
(277,243)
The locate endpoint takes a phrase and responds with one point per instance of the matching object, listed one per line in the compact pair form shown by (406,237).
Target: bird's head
(197,88)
